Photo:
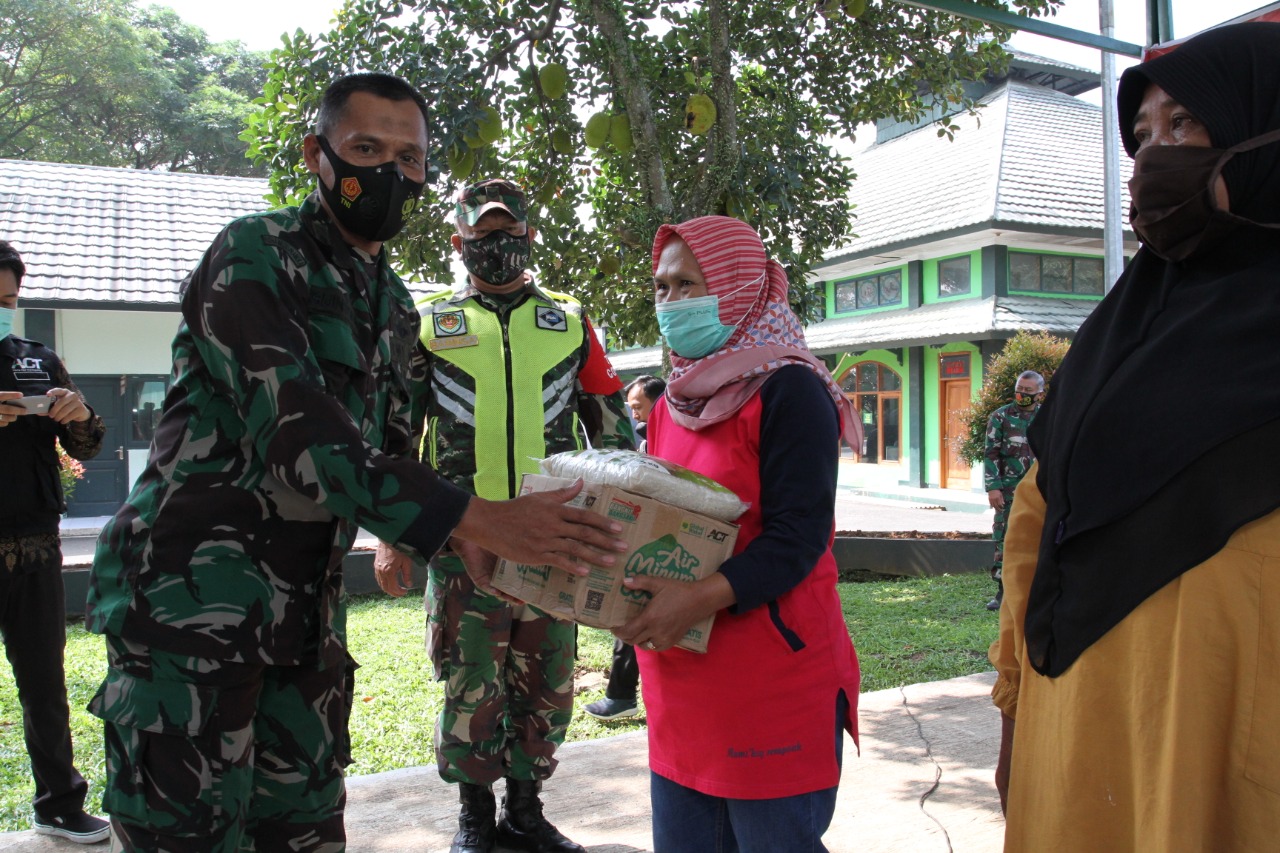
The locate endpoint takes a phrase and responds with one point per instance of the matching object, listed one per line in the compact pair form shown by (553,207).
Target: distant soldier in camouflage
(218,584)
(513,373)
(1008,458)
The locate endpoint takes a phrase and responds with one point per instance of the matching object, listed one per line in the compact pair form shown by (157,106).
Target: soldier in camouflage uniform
(1008,457)
(218,583)
(513,373)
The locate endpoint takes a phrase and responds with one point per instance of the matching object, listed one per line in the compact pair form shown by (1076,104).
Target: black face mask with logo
(497,257)
(369,201)
(1174,207)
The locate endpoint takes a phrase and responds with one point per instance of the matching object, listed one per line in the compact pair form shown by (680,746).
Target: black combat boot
(475,821)
(523,827)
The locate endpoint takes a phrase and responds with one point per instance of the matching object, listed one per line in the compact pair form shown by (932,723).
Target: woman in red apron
(745,741)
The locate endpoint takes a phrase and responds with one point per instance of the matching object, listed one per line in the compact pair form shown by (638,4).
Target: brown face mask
(1174,208)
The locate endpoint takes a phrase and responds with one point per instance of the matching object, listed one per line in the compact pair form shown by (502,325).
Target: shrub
(1038,351)
(70,473)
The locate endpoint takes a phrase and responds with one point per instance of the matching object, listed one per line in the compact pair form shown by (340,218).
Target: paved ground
(922,784)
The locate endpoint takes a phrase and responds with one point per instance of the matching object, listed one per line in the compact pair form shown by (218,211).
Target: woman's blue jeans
(687,821)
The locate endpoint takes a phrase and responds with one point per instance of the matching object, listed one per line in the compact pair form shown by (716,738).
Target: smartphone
(37,405)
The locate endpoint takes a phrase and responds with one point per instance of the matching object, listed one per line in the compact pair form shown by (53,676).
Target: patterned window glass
(1029,271)
(1024,271)
(846,296)
(953,276)
(1088,276)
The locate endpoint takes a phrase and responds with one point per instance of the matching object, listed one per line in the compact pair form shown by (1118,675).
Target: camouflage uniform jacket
(1008,455)
(508,382)
(282,434)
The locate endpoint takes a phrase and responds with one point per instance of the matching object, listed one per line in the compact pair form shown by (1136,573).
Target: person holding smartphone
(32,615)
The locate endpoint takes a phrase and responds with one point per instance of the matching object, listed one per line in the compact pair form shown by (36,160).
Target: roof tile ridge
(1004,148)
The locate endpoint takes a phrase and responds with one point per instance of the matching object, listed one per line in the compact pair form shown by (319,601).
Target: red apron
(754,717)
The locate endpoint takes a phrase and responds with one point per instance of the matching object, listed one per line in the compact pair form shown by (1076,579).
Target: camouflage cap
(492,194)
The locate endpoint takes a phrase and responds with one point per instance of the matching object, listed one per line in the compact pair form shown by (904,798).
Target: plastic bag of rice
(649,476)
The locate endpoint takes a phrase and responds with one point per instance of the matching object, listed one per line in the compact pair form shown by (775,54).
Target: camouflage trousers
(205,755)
(998,528)
(508,673)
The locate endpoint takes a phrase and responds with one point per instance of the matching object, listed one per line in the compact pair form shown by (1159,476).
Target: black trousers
(624,677)
(33,626)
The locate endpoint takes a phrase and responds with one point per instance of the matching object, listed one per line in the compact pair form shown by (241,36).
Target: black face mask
(497,257)
(369,201)
(1174,207)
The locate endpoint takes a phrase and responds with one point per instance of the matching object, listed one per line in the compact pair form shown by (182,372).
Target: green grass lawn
(906,631)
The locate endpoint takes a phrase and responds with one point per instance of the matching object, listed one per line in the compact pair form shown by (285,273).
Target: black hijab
(1161,436)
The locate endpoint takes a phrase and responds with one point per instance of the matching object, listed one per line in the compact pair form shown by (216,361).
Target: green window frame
(1034,272)
(869,291)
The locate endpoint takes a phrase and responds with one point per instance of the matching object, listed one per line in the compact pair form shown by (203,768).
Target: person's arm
(1008,653)
(992,464)
(250,327)
(799,432)
(80,431)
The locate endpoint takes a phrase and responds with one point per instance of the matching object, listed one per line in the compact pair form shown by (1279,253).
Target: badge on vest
(449,324)
(552,319)
(437,344)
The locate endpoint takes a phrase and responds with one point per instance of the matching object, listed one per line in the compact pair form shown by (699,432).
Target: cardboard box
(665,541)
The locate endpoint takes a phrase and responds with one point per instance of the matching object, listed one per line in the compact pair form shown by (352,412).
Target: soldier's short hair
(388,86)
(1031,374)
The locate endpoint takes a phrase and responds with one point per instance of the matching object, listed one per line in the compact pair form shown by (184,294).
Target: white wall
(103,342)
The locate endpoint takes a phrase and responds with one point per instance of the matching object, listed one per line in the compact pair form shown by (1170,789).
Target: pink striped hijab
(753,297)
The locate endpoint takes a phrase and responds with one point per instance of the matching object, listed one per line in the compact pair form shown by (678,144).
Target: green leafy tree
(1038,351)
(785,79)
(102,83)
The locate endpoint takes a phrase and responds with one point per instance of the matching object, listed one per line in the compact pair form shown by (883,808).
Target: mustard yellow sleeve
(1021,546)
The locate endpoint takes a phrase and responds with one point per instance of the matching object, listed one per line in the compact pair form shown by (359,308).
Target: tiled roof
(89,233)
(966,319)
(639,358)
(1032,157)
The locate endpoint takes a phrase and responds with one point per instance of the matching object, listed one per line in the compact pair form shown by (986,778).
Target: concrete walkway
(922,784)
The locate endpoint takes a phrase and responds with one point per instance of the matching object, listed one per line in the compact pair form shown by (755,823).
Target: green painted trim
(913,401)
(832,284)
(902,367)
(932,455)
(1085,296)
(1091,297)
(931,291)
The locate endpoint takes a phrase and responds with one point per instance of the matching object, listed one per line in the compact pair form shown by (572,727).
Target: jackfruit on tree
(461,161)
(620,133)
(554,79)
(598,129)
(562,141)
(699,114)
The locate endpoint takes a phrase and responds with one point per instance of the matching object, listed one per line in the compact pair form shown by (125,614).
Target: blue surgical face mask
(7,316)
(692,327)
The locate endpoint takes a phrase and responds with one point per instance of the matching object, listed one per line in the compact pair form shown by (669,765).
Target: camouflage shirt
(1008,455)
(505,381)
(282,434)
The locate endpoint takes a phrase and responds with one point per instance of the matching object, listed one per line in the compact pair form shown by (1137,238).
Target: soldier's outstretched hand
(539,529)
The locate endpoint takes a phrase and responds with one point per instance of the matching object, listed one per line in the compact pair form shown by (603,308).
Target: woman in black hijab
(1139,648)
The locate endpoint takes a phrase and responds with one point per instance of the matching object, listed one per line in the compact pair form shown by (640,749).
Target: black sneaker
(77,826)
(612,709)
